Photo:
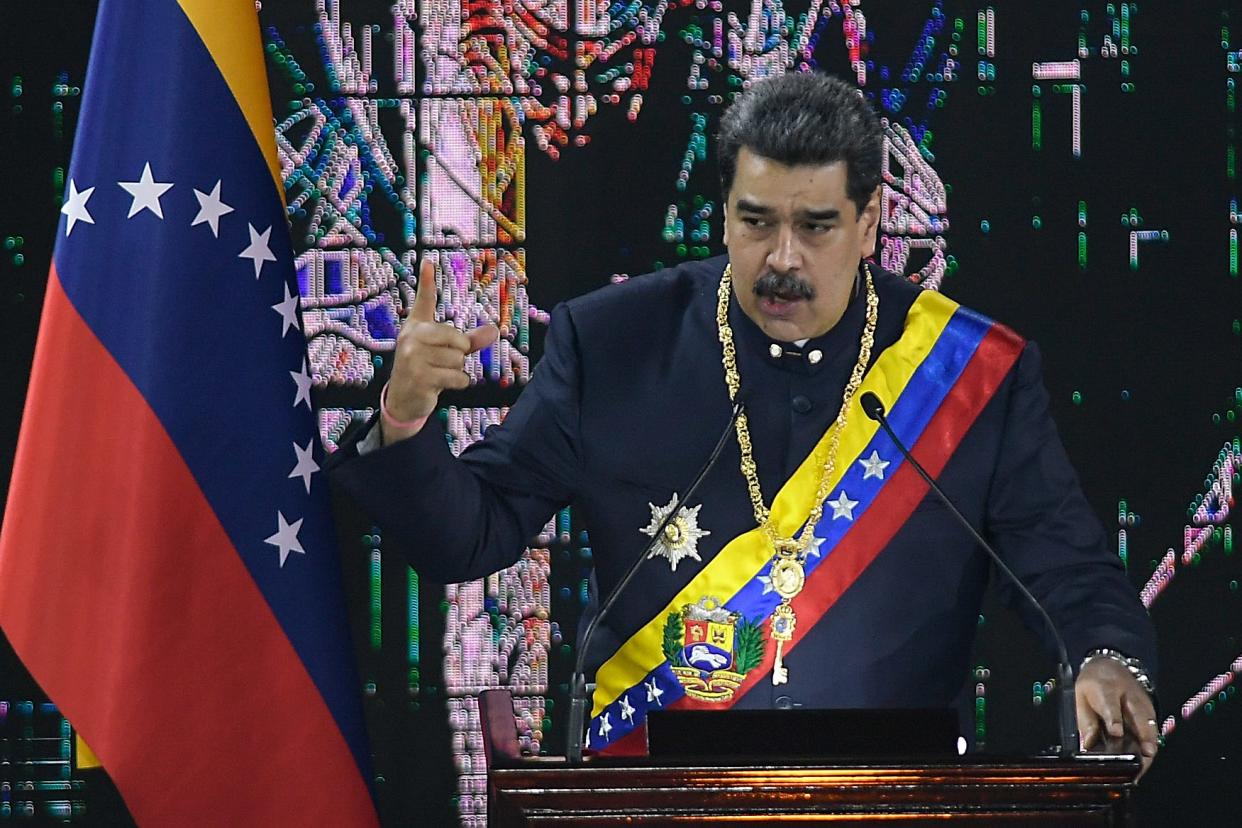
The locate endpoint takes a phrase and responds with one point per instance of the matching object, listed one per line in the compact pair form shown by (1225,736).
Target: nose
(785,256)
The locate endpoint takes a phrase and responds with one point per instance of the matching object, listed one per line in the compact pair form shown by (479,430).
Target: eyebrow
(748,206)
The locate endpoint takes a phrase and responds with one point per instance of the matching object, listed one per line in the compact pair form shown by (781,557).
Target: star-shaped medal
(680,538)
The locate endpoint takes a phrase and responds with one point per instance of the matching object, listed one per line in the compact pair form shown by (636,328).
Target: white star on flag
(258,251)
(874,466)
(604,727)
(303,381)
(288,310)
(653,692)
(210,208)
(842,507)
(286,537)
(306,465)
(766,580)
(75,206)
(146,192)
(627,709)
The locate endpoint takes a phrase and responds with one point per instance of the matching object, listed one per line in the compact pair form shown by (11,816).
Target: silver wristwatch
(1134,665)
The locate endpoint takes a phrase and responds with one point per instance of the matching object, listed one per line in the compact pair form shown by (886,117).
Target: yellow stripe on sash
(743,557)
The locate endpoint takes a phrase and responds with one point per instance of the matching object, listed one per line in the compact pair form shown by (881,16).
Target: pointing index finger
(424,309)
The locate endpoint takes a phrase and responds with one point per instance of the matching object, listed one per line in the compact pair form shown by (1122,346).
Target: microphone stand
(1067,722)
(577,680)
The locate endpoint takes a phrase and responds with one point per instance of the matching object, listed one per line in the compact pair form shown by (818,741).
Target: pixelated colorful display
(1069,169)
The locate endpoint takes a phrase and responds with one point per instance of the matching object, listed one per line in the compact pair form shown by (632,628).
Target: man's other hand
(1115,713)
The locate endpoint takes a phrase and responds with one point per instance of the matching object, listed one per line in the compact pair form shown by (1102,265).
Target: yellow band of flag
(230,31)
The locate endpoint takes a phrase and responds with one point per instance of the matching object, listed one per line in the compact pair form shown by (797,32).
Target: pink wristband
(391,421)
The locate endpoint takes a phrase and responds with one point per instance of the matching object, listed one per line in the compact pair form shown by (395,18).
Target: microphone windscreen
(872,406)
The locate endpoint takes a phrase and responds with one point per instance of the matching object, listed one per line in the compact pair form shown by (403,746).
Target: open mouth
(782,305)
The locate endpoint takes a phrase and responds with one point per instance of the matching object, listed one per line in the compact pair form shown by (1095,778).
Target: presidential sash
(711,643)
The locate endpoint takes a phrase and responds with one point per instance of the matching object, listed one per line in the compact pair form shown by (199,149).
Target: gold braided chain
(789,547)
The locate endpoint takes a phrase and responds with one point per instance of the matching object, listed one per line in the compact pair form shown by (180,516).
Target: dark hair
(804,118)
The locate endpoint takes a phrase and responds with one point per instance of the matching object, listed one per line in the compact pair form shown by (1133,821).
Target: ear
(724,213)
(870,221)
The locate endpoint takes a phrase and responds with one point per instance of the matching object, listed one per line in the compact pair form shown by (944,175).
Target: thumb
(480,338)
(424,308)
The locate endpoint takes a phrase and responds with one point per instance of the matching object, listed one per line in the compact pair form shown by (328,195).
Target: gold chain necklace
(788,572)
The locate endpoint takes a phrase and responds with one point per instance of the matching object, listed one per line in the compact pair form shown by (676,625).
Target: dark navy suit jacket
(627,403)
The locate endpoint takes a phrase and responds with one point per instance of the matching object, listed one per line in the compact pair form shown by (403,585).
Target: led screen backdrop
(1067,168)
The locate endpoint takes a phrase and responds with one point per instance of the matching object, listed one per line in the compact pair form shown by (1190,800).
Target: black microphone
(1067,720)
(577,680)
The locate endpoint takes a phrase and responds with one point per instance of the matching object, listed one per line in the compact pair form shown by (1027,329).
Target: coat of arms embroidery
(711,649)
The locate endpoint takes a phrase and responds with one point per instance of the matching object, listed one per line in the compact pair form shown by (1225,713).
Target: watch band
(1133,665)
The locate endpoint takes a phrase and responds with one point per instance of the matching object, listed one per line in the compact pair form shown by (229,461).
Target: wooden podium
(665,791)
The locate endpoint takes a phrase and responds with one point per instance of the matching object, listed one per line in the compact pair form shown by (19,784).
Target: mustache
(783,286)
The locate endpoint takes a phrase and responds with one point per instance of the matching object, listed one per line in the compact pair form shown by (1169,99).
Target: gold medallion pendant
(787,577)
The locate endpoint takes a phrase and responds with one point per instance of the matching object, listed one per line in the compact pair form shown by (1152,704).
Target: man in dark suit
(812,569)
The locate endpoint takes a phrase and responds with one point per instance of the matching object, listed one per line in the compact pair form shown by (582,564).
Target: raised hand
(430,358)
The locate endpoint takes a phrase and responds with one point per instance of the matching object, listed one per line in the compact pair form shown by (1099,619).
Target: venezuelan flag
(168,569)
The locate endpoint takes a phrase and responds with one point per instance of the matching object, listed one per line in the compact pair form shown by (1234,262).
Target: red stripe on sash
(876,527)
